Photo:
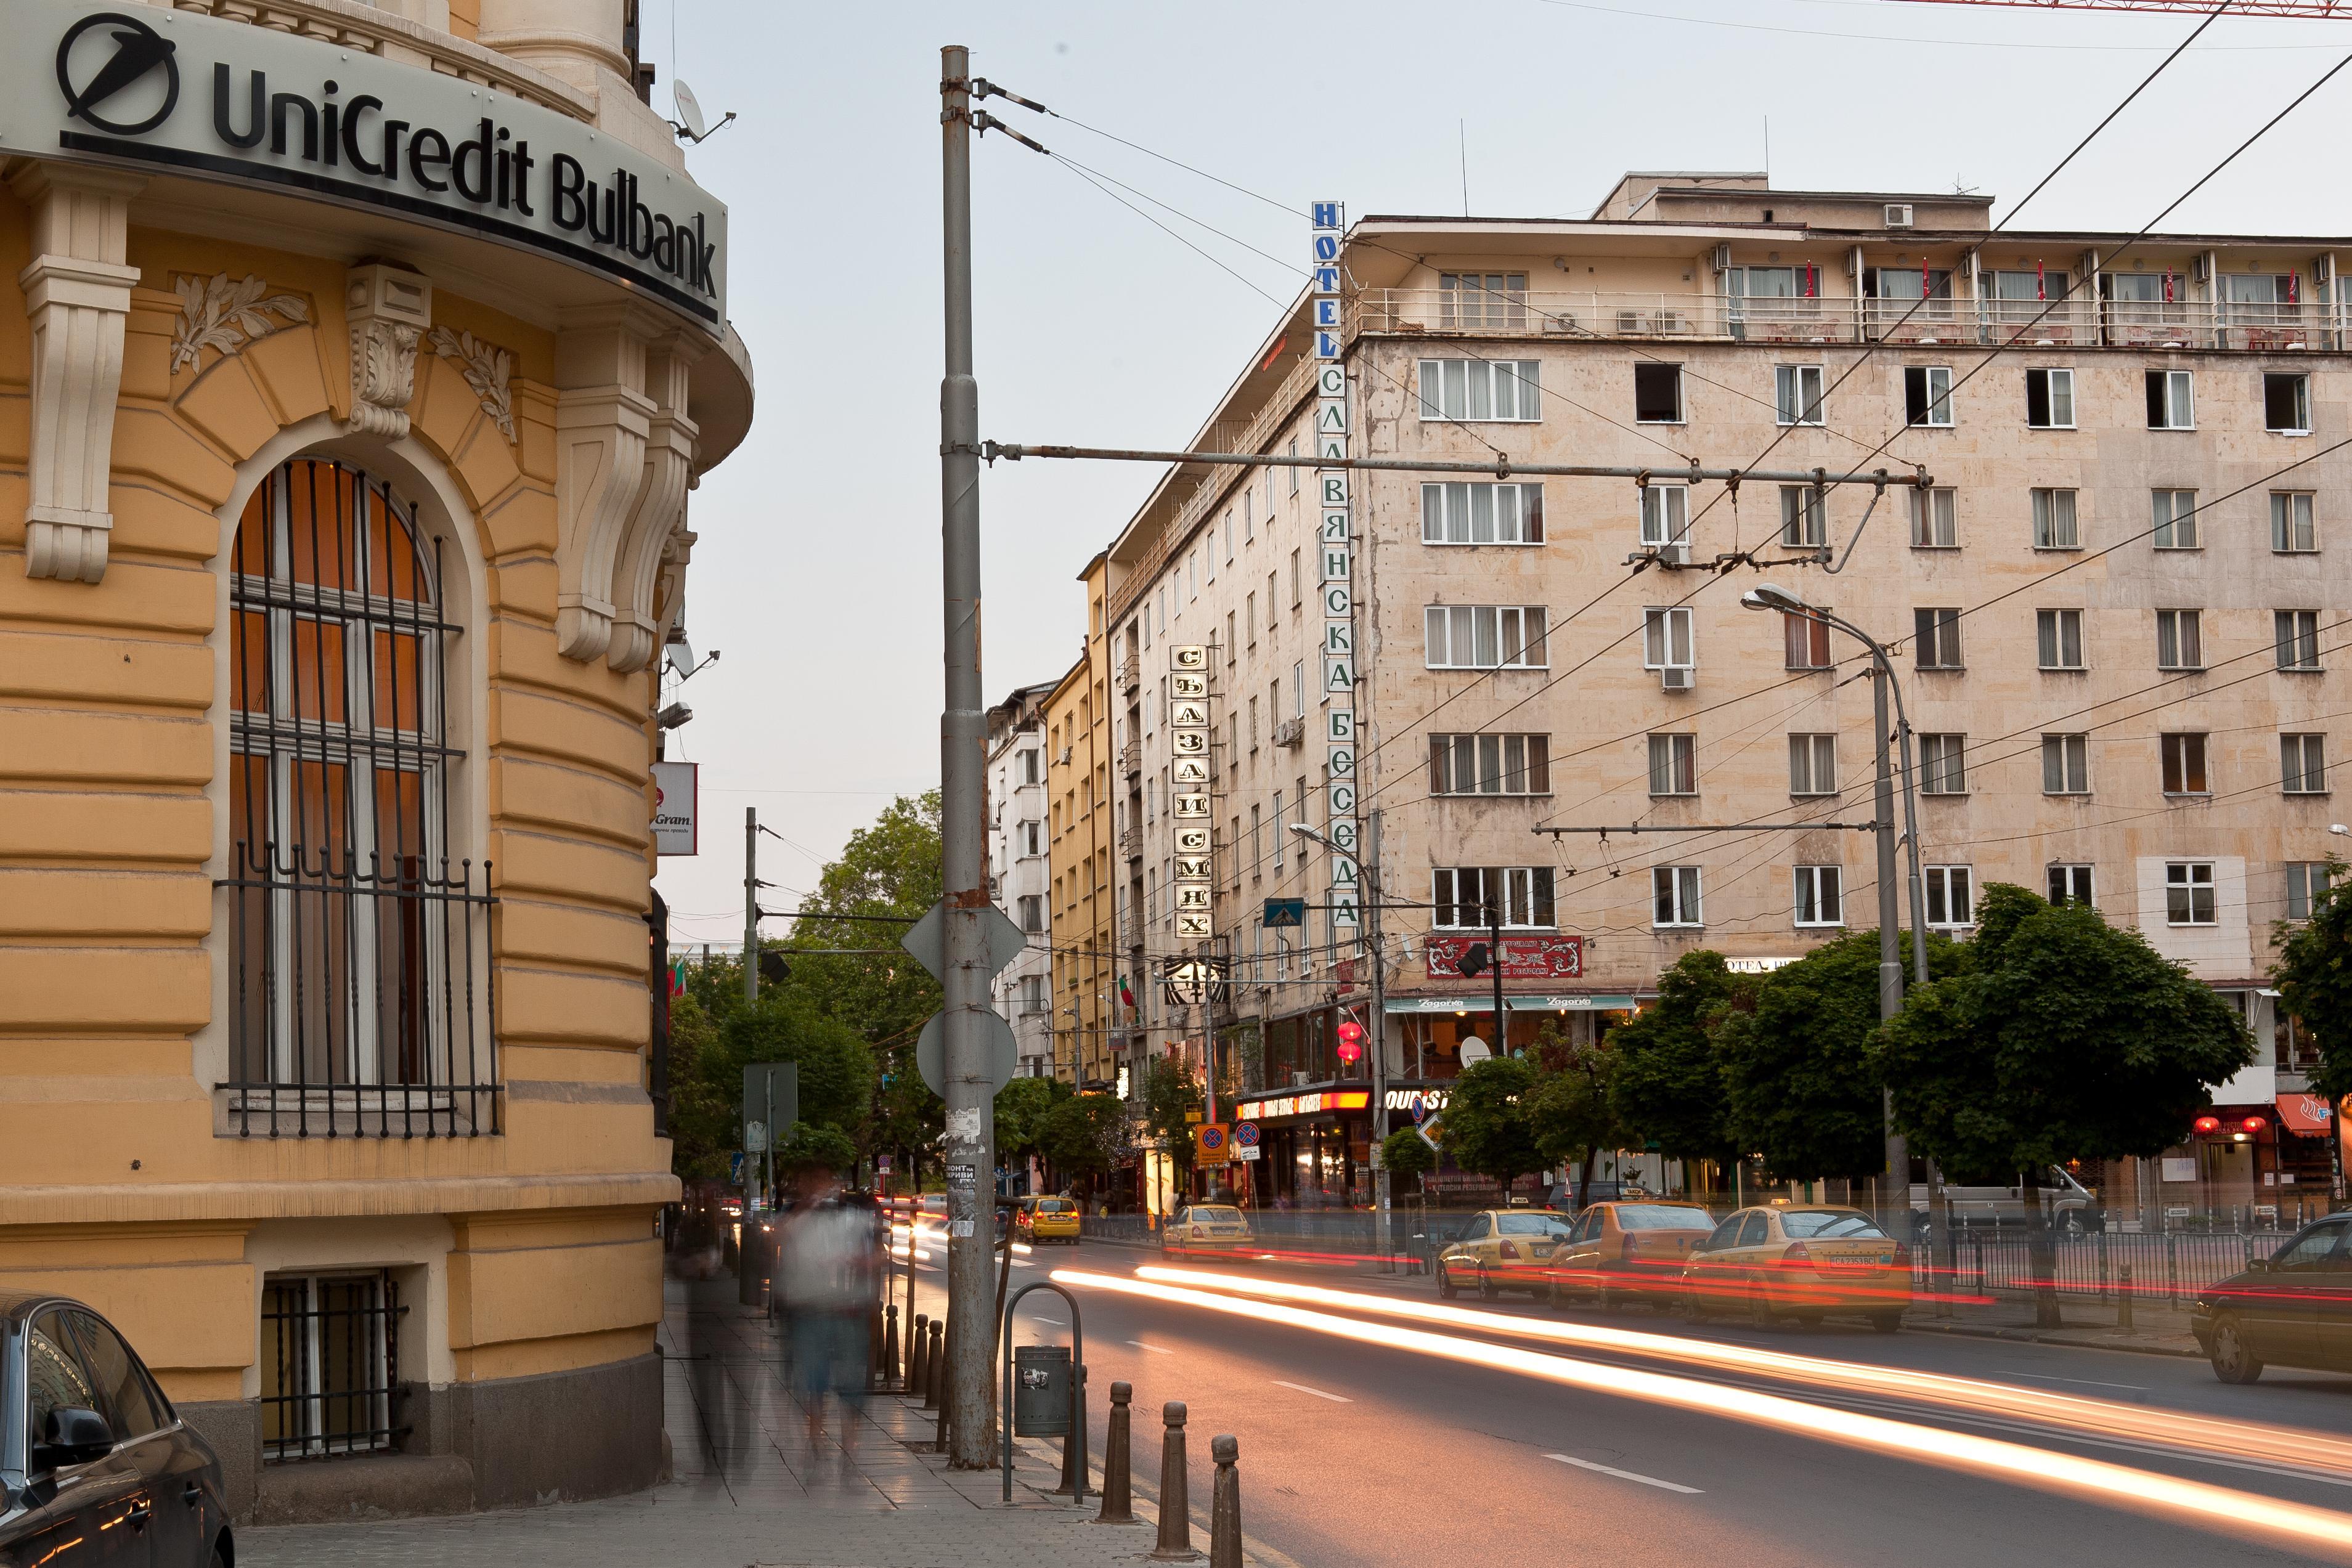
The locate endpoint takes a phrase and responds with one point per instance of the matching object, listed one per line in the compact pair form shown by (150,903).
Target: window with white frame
(1674,895)
(1481,389)
(1490,765)
(2286,403)
(1935,518)
(1805,640)
(2189,893)
(1951,896)
(2292,529)
(2303,764)
(1485,637)
(1928,395)
(2307,885)
(1673,764)
(1804,518)
(2179,639)
(1666,520)
(1813,764)
(1464,898)
(1667,640)
(2070,884)
(2065,765)
(1033,912)
(2050,399)
(1797,393)
(1032,993)
(1936,639)
(1281,832)
(2171,400)
(2173,514)
(1033,838)
(2297,634)
(1482,301)
(2054,520)
(1481,513)
(1821,896)
(2183,755)
(2058,638)
(1943,765)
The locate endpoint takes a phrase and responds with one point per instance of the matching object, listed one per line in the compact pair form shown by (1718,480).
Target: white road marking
(2086,1381)
(1043,1319)
(1154,1349)
(1334,1398)
(1625,1475)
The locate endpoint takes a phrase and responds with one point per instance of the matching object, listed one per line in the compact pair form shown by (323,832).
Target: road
(1486,1445)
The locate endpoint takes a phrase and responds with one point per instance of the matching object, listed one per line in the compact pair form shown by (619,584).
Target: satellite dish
(1474,1049)
(690,110)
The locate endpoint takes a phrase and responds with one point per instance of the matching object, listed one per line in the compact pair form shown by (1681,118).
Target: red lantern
(2208,1123)
(2255,1123)
(1351,1041)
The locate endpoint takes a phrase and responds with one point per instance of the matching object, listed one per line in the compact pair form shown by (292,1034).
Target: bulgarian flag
(1125,997)
(677,976)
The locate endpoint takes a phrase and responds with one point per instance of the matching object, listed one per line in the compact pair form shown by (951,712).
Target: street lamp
(1371,867)
(1770,596)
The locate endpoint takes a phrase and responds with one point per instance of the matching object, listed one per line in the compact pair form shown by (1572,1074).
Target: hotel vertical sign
(1336,553)
(1192,873)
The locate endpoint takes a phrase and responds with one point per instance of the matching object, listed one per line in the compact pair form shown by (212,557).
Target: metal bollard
(935,1362)
(1225,1506)
(1074,1441)
(1117,1493)
(1175,1543)
(2124,1298)
(890,1346)
(919,1358)
(873,1343)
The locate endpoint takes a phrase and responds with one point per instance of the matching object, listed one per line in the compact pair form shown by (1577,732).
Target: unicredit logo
(124,56)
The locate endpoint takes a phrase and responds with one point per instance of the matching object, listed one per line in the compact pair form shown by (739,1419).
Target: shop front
(1434,1028)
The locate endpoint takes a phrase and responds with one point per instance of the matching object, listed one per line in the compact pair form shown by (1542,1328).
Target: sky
(816,574)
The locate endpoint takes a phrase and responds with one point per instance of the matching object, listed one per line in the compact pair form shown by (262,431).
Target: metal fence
(2168,1268)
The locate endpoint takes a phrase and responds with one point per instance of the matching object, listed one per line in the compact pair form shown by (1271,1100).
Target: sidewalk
(2157,1329)
(747,1487)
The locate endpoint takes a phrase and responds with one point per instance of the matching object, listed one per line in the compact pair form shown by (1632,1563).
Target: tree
(889,871)
(1798,1086)
(2066,1039)
(1406,1153)
(1082,1135)
(2314,981)
(1487,1125)
(836,1067)
(1022,1107)
(1170,1093)
(1667,1089)
(1569,1111)
(705,1084)
(805,1148)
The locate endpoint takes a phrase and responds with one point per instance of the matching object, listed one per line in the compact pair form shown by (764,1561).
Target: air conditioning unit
(1723,258)
(1899,214)
(1290,732)
(1629,323)
(1064,759)
(1677,678)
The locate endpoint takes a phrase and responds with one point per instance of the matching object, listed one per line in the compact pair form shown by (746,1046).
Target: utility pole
(1379,1036)
(971,1093)
(750,903)
(1890,960)
(1495,964)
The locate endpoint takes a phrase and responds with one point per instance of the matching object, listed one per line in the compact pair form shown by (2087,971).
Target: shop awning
(2305,1114)
(1515,1004)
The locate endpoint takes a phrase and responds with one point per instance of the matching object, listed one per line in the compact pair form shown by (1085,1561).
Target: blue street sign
(1286,912)
(735,1168)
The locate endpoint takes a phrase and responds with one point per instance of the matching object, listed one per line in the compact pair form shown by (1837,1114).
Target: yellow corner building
(360,362)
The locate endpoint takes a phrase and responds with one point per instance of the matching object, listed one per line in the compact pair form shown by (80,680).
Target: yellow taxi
(1502,1249)
(1800,1262)
(1621,1252)
(1046,1219)
(1206,1228)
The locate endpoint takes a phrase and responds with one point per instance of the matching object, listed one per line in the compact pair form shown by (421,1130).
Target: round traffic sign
(1420,1109)
(1213,1136)
(1245,1134)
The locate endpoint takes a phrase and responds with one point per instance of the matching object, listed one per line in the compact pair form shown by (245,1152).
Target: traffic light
(1475,960)
(773,967)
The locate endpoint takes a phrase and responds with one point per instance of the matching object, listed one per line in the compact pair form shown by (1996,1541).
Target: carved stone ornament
(389,308)
(487,368)
(223,317)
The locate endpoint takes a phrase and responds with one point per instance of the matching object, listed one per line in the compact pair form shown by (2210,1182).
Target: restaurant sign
(1524,958)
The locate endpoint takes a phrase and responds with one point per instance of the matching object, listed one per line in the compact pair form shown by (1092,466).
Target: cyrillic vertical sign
(1191,877)
(1336,551)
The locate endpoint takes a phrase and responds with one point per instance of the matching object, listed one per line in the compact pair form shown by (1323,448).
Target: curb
(2063,1338)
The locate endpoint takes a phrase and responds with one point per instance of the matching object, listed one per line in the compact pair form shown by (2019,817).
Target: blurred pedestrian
(826,1277)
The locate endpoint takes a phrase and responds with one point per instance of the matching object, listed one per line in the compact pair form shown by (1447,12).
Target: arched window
(359,939)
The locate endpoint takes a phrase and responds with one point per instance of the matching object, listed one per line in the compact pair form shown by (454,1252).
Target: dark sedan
(2291,1309)
(95,1464)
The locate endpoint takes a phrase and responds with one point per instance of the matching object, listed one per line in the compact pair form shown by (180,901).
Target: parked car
(2291,1309)
(1209,1228)
(95,1464)
(1502,1249)
(1800,1263)
(1622,1252)
(1046,1219)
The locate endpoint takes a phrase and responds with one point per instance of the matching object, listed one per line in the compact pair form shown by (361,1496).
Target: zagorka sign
(226,100)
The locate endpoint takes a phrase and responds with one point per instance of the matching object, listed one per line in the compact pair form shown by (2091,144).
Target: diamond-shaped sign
(927,939)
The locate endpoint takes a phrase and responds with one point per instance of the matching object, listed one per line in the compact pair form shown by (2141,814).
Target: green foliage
(1407,1154)
(892,870)
(836,1067)
(1667,1089)
(1082,1135)
(1487,1128)
(2066,1039)
(1570,1111)
(1170,1091)
(2314,981)
(1022,1107)
(804,1148)
(705,1082)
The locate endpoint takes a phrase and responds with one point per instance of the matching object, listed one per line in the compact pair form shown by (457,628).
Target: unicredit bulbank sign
(226,100)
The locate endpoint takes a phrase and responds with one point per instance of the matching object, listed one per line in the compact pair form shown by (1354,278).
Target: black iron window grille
(330,1366)
(362,993)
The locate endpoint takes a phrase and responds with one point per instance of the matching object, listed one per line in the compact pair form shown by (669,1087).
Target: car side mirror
(2258,1265)
(74,1435)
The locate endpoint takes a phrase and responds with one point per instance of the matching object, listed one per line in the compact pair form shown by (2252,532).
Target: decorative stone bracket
(389,308)
(77,299)
(625,448)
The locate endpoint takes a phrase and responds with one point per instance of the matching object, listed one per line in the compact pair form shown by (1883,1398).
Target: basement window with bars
(361,992)
(330,1364)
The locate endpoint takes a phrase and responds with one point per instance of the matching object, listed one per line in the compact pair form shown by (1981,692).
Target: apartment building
(345,531)
(2107,556)
(1081,830)
(1020,876)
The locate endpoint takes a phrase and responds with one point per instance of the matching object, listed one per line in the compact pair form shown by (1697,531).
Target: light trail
(2315,1453)
(2269,1520)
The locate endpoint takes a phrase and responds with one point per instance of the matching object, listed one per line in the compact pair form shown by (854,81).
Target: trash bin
(1041,1390)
